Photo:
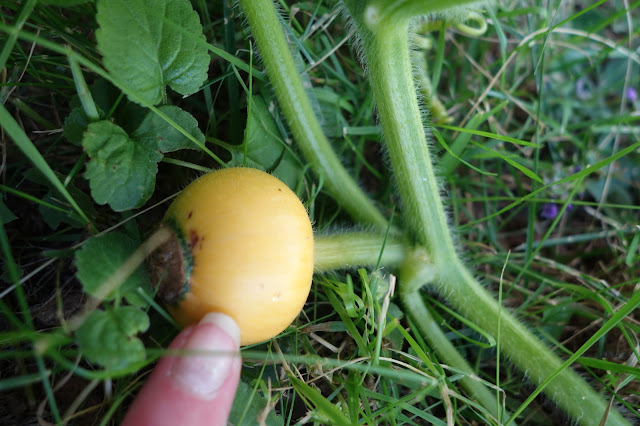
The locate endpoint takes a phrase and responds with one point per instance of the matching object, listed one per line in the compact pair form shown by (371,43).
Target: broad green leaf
(107,338)
(149,44)
(156,132)
(248,406)
(100,256)
(53,217)
(53,207)
(555,319)
(75,125)
(122,172)
(264,149)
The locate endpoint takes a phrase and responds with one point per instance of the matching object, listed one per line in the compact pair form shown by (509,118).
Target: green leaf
(6,215)
(150,44)
(107,338)
(247,406)
(62,214)
(330,106)
(75,125)
(53,218)
(100,256)
(264,149)
(155,131)
(122,172)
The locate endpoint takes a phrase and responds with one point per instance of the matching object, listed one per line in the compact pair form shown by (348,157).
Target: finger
(193,389)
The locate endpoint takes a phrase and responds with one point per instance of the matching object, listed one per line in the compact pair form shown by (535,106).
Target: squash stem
(296,107)
(357,249)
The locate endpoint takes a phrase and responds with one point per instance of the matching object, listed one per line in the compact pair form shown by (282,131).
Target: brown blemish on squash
(167,268)
(194,239)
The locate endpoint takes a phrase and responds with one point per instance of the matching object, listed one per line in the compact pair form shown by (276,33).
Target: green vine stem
(385,41)
(88,105)
(447,351)
(287,84)
(356,249)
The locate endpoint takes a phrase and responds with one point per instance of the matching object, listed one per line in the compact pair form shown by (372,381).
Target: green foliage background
(105,116)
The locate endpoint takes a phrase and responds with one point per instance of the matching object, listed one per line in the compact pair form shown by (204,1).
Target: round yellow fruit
(247,244)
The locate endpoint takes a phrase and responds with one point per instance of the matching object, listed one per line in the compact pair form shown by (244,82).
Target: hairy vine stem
(385,43)
(297,109)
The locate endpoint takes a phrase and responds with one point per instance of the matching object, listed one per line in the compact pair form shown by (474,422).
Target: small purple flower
(549,211)
(632,94)
(583,91)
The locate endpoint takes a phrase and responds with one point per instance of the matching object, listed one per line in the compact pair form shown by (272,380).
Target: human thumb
(197,387)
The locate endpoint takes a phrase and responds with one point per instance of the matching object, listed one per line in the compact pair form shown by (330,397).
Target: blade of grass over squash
(332,413)
(31,152)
